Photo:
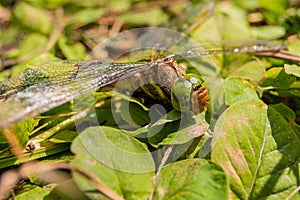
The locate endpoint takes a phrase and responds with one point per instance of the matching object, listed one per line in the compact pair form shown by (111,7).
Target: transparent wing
(44,87)
(228,47)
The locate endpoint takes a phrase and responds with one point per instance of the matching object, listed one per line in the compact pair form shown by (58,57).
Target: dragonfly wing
(228,47)
(44,95)
(33,101)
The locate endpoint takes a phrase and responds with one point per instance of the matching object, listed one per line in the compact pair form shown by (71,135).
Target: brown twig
(282,54)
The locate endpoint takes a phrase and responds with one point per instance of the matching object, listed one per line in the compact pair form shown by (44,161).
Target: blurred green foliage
(256,111)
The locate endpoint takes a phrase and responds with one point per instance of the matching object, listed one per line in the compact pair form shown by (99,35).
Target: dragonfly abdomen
(200,99)
(157,81)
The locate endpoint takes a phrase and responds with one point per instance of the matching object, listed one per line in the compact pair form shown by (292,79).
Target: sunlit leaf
(268,32)
(66,190)
(294,47)
(227,23)
(30,46)
(21,131)
(259,150)
(64,137)
(243,127)
(238,89)
(192,179)
(33,18)
(273,9)
(154,17)
(85,16)
(115,159)
(277,77)
(72,51)
(48,3)
(253,71)
(292,69)
(252,4)
(36,193)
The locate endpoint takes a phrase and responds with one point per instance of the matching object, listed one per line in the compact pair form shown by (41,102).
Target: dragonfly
(46,86)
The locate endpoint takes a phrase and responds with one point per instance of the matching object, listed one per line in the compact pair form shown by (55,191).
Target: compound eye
(195,80)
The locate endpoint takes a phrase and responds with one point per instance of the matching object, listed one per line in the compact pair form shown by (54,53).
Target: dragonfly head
(189,94)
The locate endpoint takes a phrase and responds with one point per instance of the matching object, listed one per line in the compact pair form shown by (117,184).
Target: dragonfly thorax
(164,79)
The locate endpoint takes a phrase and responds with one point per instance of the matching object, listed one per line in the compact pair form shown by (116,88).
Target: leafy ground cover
(245,145)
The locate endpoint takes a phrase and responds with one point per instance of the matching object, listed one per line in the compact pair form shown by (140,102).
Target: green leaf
(273,9)
(187,137)
(268,32)
(238,89)
(277,7)
(66,190)
(117,160)
(253,70)
(36,193)
(142,130)
(8,35)
(72,51)
(167,124)
(250,4)
(85,16)
(29,47)
(192,179)
(152,17)
(169,117)
(290,20)
(134,114)
(190,15)
(294,47)
(21,130)
(196,129)
(286,112)
(217,98)
(33,18)
(125,108)
(129,99)
(278,174)
(242,129)
(292,69)
(276,77)
(258,149)
(228,22)
(64,136)
(118,5)
(48,3)
(47,150)
(32,42)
